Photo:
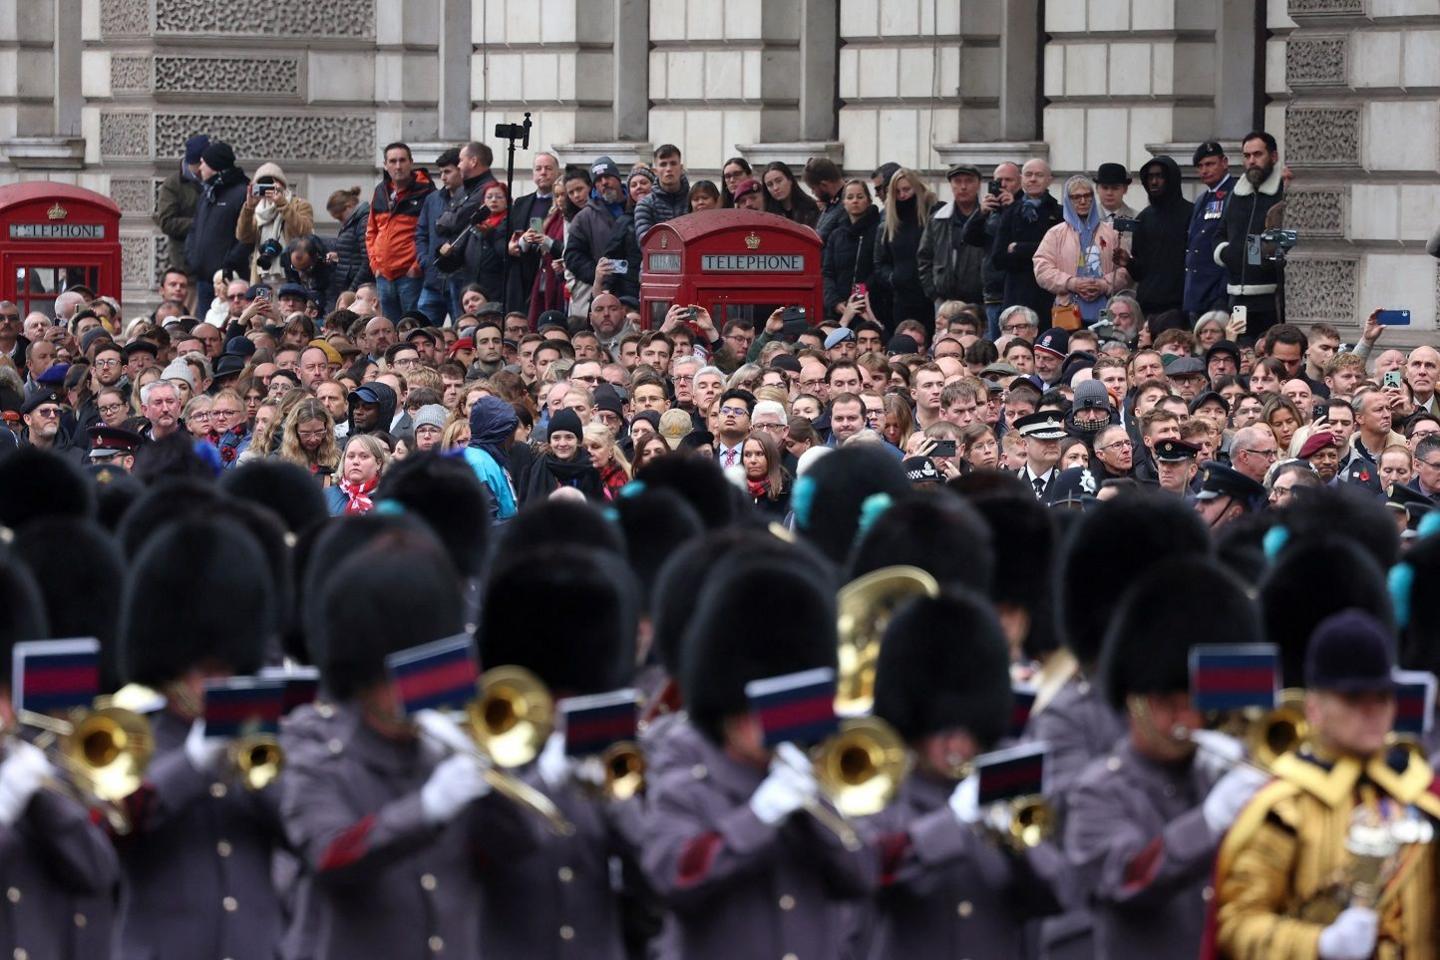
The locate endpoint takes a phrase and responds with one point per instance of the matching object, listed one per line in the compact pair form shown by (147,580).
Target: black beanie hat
(218,155)
(567,421)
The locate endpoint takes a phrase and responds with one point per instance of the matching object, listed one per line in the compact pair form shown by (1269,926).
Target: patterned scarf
(359,495)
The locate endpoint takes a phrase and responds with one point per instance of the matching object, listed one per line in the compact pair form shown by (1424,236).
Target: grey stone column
(631,65)
(68,46)
(819,60)
(1235,79)
(1019,69)
(453,107)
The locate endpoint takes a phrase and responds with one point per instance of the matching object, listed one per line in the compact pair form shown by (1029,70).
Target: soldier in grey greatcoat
(729,847)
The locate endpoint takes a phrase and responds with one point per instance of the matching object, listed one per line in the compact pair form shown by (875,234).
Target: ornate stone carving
(315,18)
(129,74)
(162,256)
(1315,213)
(336,139)
(1322,136)
(125,135)
(137,261)
(1326,8)
(124,17)
(257,76)
(133,195)
(1316,61)
(1317,290)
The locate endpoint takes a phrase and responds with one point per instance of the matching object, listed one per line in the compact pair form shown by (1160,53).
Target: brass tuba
(860,768)
(1279,730)
(865,606)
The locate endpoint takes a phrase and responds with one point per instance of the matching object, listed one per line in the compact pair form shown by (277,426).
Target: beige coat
(294,218)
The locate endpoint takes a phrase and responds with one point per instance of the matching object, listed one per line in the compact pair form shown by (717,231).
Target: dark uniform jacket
(1204,279)
(198,860)
(384,880)
(949,890)
(61,883)
(735,886)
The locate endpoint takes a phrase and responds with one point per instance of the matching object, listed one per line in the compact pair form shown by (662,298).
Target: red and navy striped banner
(594,723)
(242,706)
(56,676)
(796,708)
(1014,772)
(1414,702)
(302,684)
(440,675)
(1022,702)
(1234,676)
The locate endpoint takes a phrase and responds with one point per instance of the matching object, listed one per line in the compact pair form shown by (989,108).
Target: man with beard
(1158,258)
(592,228)
(824,179)
(1322,452)
(1251,280)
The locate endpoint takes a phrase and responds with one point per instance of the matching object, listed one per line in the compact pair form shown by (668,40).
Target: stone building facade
(103,93)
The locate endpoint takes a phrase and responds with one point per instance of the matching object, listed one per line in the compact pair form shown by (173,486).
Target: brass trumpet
(509,723)
(1020,823)
(105,750)
(1268,735)
(861,767)
(624,770)
(258,759)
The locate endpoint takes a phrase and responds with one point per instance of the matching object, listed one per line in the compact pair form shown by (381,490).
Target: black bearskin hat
(565,613)
(1177,604)
(200,590)
(827,500)
(22,612)
(944,665)
(761,616)
(36,483)
(1023,537)
(699,480)
(1109,546)
(279,485)
(560,522)
(445,493)
(940,534)
(656,522)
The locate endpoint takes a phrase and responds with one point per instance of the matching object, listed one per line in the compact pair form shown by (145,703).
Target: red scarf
(759,489)
(359,495)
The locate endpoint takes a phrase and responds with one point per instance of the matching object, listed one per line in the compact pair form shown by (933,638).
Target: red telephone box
(52,237)
(737,264)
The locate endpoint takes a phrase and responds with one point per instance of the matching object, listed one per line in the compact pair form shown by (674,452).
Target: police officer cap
(108,441)
(1210,148)
(1349,652)
(1045,425)
(1175,451)
(1219,480)
(1073,487)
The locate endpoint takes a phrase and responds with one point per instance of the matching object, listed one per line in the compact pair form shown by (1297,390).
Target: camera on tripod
(515,131)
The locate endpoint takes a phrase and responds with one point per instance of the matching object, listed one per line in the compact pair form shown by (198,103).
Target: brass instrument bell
(865,606)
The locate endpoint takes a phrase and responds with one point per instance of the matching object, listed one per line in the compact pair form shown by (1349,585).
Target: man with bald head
(980,230)
(607,319)
(379,337)
(1022,227)
(1421,370)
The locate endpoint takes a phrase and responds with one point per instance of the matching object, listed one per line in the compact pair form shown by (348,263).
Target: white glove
(789,786)
(554,764)
(22,774)
(455,782)
(204,753)
(1216,752)
(442,734)
(1352,936)
(1230,795)
(965,801)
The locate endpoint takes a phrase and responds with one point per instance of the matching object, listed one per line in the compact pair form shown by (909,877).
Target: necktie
(730,457)
(1039,487)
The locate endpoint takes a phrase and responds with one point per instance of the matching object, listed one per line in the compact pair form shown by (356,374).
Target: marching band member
(947,888)
(1336,859)
(394,833)
(728,849)
(199,604)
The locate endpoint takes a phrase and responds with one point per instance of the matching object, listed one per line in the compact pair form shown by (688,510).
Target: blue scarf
(1089,265)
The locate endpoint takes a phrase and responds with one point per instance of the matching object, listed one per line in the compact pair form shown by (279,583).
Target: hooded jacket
(387,409)
(659,206)
(175,211)
(390,230)
(1245,217)
(492,422)
(212,243)
(1161,236)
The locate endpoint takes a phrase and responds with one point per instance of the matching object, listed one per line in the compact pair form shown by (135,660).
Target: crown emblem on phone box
(752,242)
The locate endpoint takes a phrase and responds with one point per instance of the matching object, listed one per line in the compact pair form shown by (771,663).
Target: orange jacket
(390,232)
